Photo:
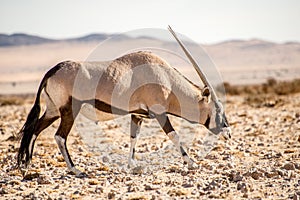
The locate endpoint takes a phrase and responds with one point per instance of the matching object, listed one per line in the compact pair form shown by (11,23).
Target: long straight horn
(196,66)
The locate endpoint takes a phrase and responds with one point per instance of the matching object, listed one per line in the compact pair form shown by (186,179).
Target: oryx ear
(206,94)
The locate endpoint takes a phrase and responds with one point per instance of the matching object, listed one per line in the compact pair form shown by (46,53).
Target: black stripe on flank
(104,107)
(107,108)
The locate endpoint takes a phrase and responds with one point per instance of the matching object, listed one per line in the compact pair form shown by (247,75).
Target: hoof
(193,166)
(23,167)
(81,175)
(131,164)
(78,173)
(23,171)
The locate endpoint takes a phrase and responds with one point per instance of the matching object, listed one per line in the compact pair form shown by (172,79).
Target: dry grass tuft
(269,94)
(272,86)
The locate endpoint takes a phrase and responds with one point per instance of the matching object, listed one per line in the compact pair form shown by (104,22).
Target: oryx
(161,91)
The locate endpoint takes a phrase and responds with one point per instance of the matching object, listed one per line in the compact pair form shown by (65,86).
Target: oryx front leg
(68,114)
(135,127)
(165,123)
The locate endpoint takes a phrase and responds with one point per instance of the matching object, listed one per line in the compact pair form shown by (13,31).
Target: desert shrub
(271,86)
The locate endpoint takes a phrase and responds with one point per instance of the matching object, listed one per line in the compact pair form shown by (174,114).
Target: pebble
(137,170)
(235,177)
(242,187)
(105,159)
(177,192)
(93,182)
(255,174)
(111,194)
(289,166)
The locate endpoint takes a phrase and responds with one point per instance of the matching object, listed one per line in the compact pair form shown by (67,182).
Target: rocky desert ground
(260,161)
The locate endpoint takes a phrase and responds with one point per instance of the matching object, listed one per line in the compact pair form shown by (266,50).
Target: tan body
(137,81)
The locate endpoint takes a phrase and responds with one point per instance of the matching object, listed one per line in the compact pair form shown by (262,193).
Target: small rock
(137,170)
(148,187)
(254,174)
(245,195)
(76,192)
(43,180)
(132,188)
(3,191)
(247,129)
(177,192)
(242,187)
(288,166)
(105,159)
(289,151)
(154,148)
(103,168)
(60,158)
(187,185)
(14,182)
(93,182)
(22,188)
(56,187)
(271,174)
(235,177)
(99,190)
(111,195)
(80,149)
(282,172)
(31,176)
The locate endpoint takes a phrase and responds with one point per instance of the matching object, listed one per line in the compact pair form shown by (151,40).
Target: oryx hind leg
(166,125)
(68,114)
(135,127)
(50,115)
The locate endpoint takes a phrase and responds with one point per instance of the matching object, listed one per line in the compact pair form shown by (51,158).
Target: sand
(261,161)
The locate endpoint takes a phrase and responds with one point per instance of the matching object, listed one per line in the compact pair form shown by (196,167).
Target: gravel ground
(261,161)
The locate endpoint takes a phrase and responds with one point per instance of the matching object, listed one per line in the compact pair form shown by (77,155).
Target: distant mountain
(20,39)
(89,38)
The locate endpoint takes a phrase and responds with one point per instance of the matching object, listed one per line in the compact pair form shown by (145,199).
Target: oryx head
(216,120)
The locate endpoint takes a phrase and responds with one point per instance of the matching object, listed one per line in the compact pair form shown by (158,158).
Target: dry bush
(272,86)
(264,95)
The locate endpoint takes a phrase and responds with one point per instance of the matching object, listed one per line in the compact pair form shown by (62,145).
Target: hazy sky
(203,21)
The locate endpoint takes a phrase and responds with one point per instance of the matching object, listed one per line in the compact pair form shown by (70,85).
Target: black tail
(30,125)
